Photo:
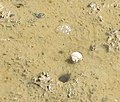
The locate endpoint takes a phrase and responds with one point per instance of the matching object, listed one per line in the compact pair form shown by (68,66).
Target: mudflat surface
(35,57)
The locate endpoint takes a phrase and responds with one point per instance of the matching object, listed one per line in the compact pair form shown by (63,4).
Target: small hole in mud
(43,26)
(64,78)
(42,53)
(61,52)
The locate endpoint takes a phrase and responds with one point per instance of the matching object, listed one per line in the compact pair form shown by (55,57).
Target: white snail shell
(76,56)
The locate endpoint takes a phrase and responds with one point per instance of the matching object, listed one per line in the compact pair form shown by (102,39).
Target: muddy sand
(37,38)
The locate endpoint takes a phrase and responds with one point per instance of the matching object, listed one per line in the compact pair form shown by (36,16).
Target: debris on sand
(18,3)
(113,41)
(94,8)
(5,13)
(7,17)
(92,5)
(43,80)
(64,28)
(39,15)
(100,18)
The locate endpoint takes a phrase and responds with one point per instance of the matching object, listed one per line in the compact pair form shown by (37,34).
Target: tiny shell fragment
(65,29)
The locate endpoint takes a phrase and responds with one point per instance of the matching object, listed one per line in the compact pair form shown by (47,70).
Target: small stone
(92,5)
(100,18)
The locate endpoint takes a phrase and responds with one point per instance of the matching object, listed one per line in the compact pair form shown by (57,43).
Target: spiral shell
(76,56)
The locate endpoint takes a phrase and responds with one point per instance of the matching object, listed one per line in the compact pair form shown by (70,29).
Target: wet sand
(30,45)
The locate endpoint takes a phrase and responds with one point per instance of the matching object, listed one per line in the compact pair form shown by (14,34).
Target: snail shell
(76,56)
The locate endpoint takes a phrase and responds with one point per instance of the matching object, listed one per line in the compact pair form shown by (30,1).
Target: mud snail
(76,56)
